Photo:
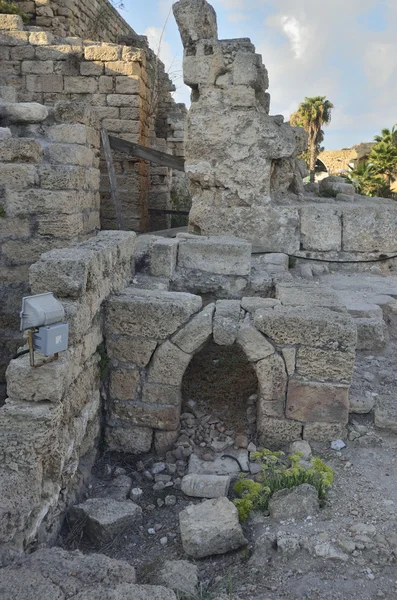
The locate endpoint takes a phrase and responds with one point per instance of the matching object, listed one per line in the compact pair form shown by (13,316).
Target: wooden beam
(112,178)
(154,156)
(163,211)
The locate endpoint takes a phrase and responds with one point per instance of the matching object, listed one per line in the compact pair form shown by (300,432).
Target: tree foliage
(312,115)
(8,7)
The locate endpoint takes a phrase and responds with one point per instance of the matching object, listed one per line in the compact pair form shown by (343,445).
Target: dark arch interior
(320,167)
(220,380)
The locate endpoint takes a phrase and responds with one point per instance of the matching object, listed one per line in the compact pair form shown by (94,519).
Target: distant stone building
(336,161)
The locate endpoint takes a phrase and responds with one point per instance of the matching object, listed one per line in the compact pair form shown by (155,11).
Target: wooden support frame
(112,178)
(154,156)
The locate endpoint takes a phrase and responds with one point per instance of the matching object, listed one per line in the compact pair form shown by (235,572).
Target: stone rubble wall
(49,173)
(94,19)
(301,344)
(126,87)
(50,424)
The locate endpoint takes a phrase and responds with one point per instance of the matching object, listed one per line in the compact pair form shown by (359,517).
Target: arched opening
(220,387)
(321,167)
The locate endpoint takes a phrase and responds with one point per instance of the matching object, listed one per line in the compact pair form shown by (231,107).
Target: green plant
(278,473)
(368,181)
(104,362)
(2,211)
(8,7)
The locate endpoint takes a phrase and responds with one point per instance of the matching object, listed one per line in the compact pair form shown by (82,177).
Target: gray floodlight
(42,315)
(39,310)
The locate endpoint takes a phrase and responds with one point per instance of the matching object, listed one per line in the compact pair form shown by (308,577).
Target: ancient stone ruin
(189,352)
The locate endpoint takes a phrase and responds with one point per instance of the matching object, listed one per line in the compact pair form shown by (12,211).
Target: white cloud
(237,17)
(295,33)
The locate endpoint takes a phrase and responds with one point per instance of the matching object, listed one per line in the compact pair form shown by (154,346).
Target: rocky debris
(102,519)
(338,445)
(117,489)
(180,576)
(205,486)
(220,465)
(296,503)
(211,528)
(386,413)
(362,404)
(55,574)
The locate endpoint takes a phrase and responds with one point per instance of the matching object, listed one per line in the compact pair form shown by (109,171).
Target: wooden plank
(112,178)
(154,156)
(163,211)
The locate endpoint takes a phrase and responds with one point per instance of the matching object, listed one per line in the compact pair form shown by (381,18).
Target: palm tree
(367,181)
(312,114)
(383,155)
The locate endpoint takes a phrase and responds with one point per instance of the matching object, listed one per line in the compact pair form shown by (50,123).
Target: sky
(345,50)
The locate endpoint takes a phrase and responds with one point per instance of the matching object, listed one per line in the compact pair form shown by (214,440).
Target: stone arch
(172,357)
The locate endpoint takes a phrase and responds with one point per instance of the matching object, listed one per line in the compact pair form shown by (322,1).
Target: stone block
(220,466)
(324,365)
(289,355)
(168,365)
(318,402)
(68,134)
(164,441)
(154,393)
(253,304)
(44,83)
(24,112)
(255,346)
(278,431)
(72,154)
(137,351)
(48,383)
(103,52)
(296,503)
(193,336)
(226,322)
(13,38)
(41,38)
(18,176)
(324,432)
(370,227)
(124,383)
(149,313)
(272,379)
(221,255)
(210,528)
(316,327)
(105,518)
(371,333)
(60,226)
(163,255)
(158,416)
(21,150)
(206,486)
(180,576)
(34,67)
(57,177)
(321,228)
(306,294)
(337,185)
(95,69)
(129,440)
(19,203)
(196,21)
(10,22)
(80,85)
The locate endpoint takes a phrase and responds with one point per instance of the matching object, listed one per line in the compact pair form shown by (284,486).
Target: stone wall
(49,176)
(50,423)
(301,343)
(94,19)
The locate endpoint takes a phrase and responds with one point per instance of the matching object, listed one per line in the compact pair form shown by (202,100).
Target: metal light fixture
(42,317)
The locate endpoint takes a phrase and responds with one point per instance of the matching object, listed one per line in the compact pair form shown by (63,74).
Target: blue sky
(344,49)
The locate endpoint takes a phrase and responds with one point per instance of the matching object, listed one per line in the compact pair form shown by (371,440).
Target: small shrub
(104,362)
(11,8)
(278,473)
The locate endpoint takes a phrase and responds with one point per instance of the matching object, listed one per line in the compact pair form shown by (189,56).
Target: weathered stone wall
(301,344)
(51,421)
(49,175)
(94,19)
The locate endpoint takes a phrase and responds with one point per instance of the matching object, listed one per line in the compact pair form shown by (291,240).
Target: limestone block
(68,134)
(321,228)
(324,432)
(131,350)
(247,70)
(168,365)
(296,503)
(370,227)
(164,441)
(61,177)
(203,283)
(202,68)
(44,83)
(163,255)
(371,333)
(205,486)
(289,355)
(272,379)
(192,337)
(41,38)
(104,52)
(37,385)
(124,383)
(306,294)
(211,528)
(180,576)
(94,68)
(253,304)
(319,402)
(14,38)
(252,342)
(158,416)
(73,112)
(129,440)
(11,23)
(196,21)
(222,255)
(60,226)
(36,200)
(316,327)
(336,185)
(35,67)
(105,518)
(72,154)
(278,431)
(154,393)
(220,466)
(149,313)
(18,177)
(80,85)
(21,150)
(324,365)
(24,112)
(226,322)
